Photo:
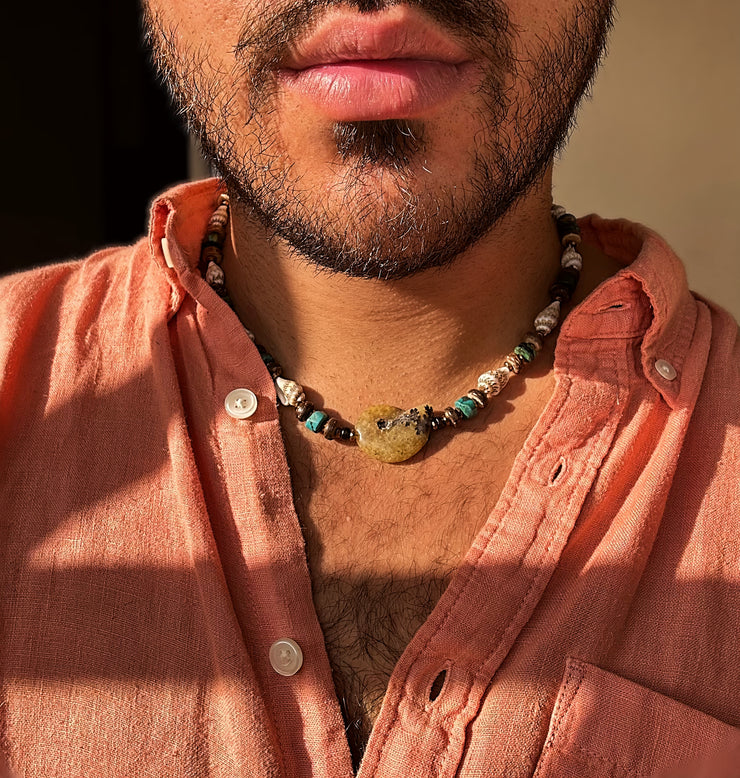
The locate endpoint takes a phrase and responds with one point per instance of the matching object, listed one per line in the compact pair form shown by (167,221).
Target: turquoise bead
(467,407)
(316,421)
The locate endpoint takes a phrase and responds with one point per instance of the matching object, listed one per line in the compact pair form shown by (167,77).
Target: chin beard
(392,143)
(387,216)
(386,225)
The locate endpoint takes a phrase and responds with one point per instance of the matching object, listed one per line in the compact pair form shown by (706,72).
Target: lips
(388,65)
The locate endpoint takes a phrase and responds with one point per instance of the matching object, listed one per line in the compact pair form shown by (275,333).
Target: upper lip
(400,33)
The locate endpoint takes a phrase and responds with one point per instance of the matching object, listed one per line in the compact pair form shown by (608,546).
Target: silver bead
(547,319)
(215,276)
(571,258)
(453,416)
(557,211)
(475,396)
(493,381)
(288,392)
(513,362)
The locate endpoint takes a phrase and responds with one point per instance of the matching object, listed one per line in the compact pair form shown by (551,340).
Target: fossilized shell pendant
(391,434)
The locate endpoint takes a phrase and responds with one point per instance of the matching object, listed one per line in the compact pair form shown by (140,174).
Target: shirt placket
(282,644)
(284,635)
(502,579)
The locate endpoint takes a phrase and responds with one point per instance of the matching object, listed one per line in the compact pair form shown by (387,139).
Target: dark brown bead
(570,239)
(345,433)
(330,428)
(453,416)
(568,276)
(567,223)
(535,340)
(213,239)
(275,370)
(304,410)
(560,293)
(565,284)
(211,254)
(438,423)
(478,398)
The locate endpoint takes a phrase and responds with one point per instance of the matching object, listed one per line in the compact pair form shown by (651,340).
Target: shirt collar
(649,297)
(178,222)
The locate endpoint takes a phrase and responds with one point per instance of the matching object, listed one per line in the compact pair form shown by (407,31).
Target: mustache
(484,26)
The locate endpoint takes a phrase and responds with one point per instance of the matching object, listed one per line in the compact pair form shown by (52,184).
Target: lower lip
(368,90)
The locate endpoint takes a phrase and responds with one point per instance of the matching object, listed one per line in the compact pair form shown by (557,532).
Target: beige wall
(659,141)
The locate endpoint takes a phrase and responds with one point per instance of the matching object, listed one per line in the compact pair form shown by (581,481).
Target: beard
(384,213)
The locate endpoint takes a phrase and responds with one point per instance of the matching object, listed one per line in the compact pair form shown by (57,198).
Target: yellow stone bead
(391,434)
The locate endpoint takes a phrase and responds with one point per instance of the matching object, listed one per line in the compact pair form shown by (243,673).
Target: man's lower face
(378,139)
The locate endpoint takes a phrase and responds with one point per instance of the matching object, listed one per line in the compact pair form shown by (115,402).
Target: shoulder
(715,423)
(109,289)
(65,286)
(719,396)
(77,329)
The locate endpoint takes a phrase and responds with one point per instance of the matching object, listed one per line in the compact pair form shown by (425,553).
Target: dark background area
(88,134)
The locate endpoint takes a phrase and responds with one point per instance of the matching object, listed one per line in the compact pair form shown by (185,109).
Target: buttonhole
(613,307)
(557,472)
(437,684)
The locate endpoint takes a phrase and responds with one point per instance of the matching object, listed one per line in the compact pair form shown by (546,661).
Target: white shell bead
(547,319)
(492,382)
(214,275)
(288,392)
(571,258)
(557,211)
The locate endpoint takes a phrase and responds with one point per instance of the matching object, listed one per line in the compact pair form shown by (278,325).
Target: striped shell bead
(548,318)
(571,259)
(492,382)
(289,392)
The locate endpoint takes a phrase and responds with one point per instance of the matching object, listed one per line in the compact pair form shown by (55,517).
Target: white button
(665,369)
(286,656)
(241,403)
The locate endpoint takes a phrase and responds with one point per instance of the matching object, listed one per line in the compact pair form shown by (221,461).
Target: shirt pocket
(604,726)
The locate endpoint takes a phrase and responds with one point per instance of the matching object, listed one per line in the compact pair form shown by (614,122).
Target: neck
(355,342)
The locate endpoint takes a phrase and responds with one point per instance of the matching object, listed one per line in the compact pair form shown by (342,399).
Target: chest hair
(382,546)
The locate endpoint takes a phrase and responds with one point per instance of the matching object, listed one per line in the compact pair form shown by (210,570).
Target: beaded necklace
(385,432)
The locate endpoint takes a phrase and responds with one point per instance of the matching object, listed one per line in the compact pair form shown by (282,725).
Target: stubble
(387,215)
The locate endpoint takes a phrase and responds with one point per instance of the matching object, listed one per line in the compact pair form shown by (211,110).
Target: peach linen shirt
(150,553)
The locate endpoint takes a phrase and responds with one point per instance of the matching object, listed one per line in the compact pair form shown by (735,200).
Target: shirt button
(286,656)
(665,369)
(240,403)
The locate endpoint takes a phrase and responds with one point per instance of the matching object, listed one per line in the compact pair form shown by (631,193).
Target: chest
(382,543)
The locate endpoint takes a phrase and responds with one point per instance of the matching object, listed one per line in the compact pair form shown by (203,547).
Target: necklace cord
(385,432)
